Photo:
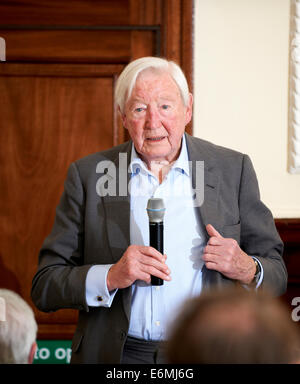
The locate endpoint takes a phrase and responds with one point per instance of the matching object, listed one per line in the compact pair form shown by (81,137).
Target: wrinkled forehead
(155,74)
(154,81)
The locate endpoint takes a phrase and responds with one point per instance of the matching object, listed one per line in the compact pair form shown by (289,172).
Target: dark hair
(234,326)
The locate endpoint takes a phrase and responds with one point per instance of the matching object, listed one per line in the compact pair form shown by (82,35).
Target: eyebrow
(162,98)
(137,101)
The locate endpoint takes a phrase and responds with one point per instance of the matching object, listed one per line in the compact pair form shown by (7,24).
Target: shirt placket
(157,302)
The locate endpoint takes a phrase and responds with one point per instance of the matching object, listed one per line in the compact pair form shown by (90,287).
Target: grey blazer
(90,229)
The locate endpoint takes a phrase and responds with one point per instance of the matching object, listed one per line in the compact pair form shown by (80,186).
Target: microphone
(156,211)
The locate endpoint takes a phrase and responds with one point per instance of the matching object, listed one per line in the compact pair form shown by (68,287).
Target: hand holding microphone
(146,263)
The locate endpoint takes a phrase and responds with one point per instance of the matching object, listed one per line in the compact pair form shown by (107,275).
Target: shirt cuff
(259,278)
(96,292)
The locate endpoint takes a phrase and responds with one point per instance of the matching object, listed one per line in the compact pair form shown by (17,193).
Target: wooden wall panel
(68,46)
(68,124)
(65,12)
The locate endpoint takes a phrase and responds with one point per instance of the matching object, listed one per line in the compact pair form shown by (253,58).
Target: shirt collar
(181,164)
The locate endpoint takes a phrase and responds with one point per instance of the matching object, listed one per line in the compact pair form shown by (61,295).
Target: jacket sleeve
(60,278)
(259,237)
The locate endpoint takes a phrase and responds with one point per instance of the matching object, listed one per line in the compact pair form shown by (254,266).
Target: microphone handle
(156,232)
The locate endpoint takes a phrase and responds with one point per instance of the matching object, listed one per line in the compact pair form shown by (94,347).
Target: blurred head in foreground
(234,326)
(18,329)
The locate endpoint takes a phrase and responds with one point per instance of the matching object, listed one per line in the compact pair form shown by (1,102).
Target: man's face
(155,116)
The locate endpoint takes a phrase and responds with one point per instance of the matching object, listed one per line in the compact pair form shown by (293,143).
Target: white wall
(241,89)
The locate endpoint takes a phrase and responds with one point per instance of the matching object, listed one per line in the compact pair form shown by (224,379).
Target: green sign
(53,352)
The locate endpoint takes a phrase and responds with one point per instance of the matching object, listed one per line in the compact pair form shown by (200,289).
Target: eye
(140,109)
(165,106)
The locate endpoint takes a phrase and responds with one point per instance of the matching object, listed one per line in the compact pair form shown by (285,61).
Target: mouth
(155,139)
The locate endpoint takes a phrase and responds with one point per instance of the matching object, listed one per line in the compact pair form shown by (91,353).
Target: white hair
(128,77)
(17,331)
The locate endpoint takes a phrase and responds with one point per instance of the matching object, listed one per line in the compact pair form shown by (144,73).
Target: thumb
(212,231)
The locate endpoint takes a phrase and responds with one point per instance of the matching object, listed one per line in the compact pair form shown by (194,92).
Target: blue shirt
(153,308)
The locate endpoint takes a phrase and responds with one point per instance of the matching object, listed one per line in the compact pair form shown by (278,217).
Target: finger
(212,232)
(211,265)
(151,261)
(212,249)
(219,250)
(156,272)
(210,257)
(145,277)
(215,241)
(150,251)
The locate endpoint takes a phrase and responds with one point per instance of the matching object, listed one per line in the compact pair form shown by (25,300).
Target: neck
(160,168)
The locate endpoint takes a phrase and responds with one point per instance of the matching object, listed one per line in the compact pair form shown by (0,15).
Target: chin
(159,157)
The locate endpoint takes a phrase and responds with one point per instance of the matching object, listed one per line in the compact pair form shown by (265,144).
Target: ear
(32,352)
(189,109)
(123,117)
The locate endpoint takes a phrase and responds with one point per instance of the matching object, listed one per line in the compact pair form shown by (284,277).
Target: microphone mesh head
(156,210)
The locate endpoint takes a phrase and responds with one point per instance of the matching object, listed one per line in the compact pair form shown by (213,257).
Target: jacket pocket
(232,231)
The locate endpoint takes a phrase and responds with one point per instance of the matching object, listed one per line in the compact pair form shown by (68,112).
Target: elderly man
(97,258)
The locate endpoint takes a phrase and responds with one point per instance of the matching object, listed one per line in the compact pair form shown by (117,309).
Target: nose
(153,118)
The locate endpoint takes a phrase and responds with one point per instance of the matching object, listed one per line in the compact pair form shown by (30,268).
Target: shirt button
(99,298)
(157,323)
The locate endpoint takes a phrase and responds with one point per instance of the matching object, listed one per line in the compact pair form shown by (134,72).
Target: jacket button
(99,298)
(123,335)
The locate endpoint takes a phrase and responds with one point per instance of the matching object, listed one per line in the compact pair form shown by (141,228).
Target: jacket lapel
(117,206)
(209,192)
(117,210)
(208,209)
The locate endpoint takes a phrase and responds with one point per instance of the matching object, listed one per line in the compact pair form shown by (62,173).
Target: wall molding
(294,90)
